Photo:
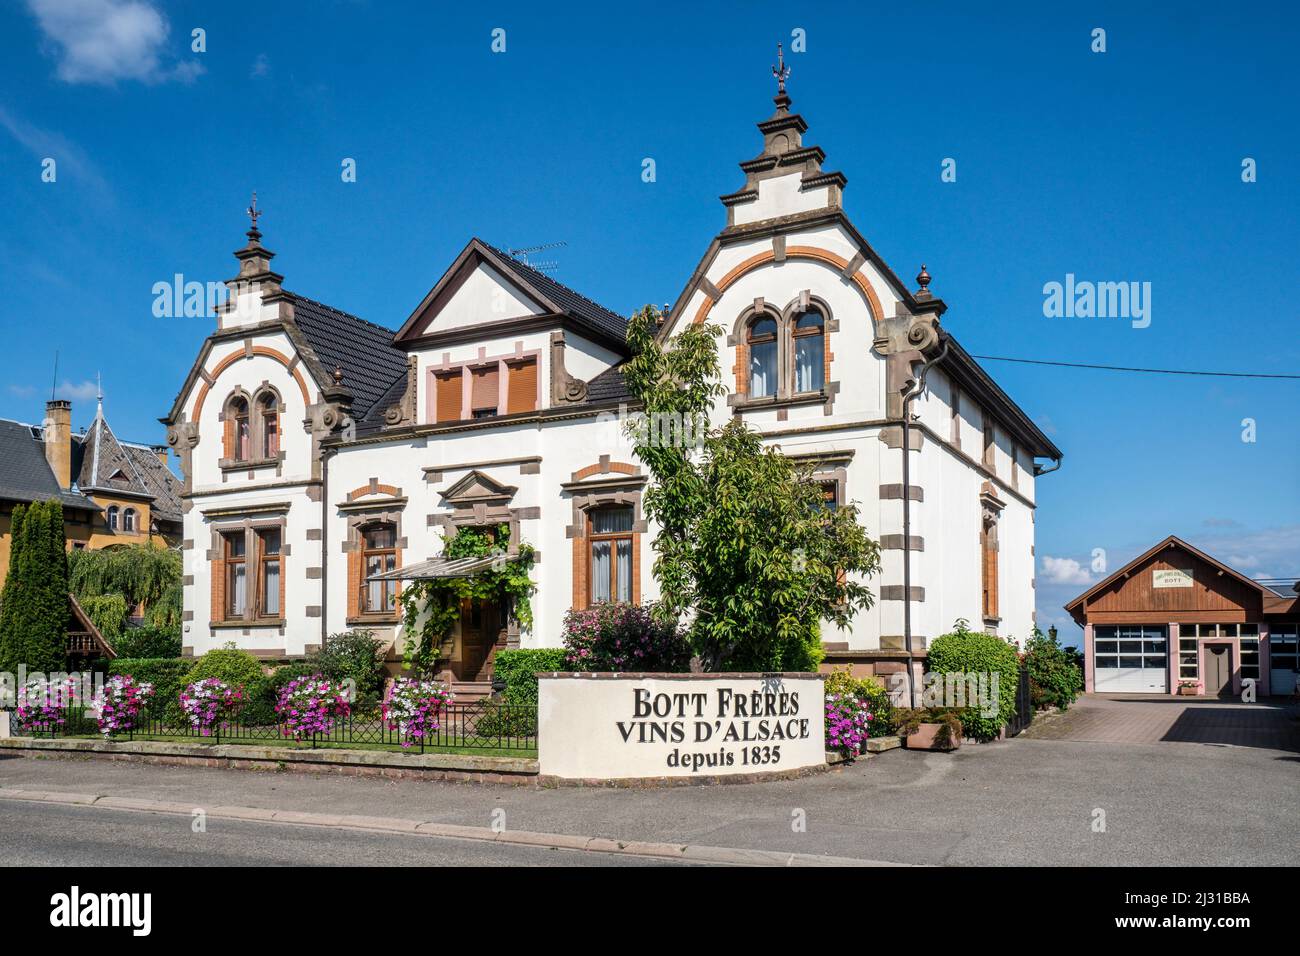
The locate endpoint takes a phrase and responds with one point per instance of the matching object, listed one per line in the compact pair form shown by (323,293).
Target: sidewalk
(1016,802)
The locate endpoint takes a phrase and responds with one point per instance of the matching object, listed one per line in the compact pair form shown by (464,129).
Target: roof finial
(780,71)
(923,280)
(99,396)
(338,375)
(253,214)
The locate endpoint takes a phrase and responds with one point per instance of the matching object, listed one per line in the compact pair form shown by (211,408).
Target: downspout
(918,387)
(324,545)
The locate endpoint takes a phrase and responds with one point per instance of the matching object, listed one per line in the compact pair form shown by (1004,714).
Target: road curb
(688,853)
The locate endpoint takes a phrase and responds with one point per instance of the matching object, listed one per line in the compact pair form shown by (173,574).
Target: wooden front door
(1218,670)
(479,626)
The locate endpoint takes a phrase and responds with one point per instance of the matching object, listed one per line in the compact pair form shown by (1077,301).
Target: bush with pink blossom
(411,707)
(311,705)
(119,703)
(209,702)
(43,704)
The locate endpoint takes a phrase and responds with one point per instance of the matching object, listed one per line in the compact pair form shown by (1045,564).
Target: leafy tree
(1055,677)
(34,620)
(746,548)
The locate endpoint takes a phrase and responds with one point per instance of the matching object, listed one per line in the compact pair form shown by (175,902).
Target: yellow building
(113,492)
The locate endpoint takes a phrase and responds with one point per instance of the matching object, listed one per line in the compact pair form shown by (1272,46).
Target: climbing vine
(431,608)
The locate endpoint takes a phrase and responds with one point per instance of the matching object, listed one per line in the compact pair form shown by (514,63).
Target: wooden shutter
(485,391)
(521,386)
(448,396)
(354,579)
(218,609)
(989,568)
(228,440)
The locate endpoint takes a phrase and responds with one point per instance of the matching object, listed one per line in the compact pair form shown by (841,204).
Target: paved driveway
(1137,719)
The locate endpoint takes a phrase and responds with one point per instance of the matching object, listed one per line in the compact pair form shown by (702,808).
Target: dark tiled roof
(165,487)
(362,349)
(574,303)
(25,474)
(608,386)
(373,420)
(104,462)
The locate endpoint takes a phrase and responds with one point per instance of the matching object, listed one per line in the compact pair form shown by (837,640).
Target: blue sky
(1115,166)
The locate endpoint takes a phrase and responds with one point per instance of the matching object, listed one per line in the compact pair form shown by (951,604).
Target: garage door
(1284,659)
(1130,659)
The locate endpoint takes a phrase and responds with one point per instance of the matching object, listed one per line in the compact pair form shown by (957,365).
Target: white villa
(320,449)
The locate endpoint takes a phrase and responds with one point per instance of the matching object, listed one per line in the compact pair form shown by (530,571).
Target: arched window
(761,339)
(809,353)
(128,521)
(113,512)
(238,429)
(378,554)
(268,408)
(610,533)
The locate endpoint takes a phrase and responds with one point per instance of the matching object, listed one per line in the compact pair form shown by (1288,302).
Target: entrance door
(479,625)
(1218,670)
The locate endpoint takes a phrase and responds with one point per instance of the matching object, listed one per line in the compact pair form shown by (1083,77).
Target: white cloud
(77,391)
(103,41)
(22,391)
(1065,571)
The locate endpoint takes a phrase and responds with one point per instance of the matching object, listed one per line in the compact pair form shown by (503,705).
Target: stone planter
(1189,691)
(927,737)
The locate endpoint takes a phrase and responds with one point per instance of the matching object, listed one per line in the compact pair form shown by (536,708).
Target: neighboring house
(113,492)
(320,450)
(1176,614)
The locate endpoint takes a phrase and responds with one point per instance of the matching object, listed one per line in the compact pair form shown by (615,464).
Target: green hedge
(237,668)
(517,668)
(169,675)
(262,693)
(149,641)
(964,652)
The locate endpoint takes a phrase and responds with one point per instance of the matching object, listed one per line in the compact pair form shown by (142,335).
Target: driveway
(1139,719)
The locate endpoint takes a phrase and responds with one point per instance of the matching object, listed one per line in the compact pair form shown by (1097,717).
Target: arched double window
(253,432)
(786,355)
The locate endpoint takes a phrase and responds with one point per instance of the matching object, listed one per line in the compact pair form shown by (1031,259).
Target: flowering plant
(310,705)
(119,702)
(411,707)
(209,701)
(848,723)
(623,637)
(42,703)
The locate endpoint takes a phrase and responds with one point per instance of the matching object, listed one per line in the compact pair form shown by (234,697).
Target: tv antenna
(541,265)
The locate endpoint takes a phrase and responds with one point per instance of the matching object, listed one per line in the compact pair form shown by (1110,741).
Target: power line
(1126,368)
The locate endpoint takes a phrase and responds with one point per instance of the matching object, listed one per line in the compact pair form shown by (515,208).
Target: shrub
(964,652)
(868,689)
(263,693)
(354,656)
(517,668)
(623,637)
(1055,680)
(149,641)
(168,677)
(908,720)
(43,705)
(235,667)
(34,607)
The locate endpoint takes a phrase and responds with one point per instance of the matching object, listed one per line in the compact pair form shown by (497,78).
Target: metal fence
(1024,705)
(483,725)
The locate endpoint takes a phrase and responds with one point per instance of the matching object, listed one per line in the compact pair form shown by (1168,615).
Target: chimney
(57,433)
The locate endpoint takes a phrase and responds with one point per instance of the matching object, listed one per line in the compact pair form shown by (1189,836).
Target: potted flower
(208,702)
(1189,688)
(42,704)
(310,705)
(848,723)
(929,729)
(118,704)
(411,707)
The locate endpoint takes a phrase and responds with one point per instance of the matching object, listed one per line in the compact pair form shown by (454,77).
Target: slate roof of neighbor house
(165,487)
(363,350)
(101,463)
(25,475)
(574,303)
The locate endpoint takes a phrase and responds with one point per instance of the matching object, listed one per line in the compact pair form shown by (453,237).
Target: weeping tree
(115,581)
(747,550)
(34,605)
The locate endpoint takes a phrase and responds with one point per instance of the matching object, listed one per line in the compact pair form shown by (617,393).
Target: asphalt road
(1023,801)
(48,835)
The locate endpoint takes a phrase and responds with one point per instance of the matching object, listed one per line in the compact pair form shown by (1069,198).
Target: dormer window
(253,434)
(782,356)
